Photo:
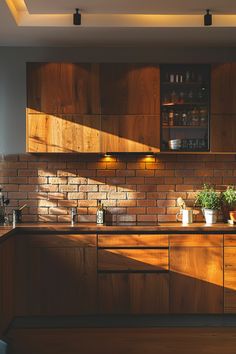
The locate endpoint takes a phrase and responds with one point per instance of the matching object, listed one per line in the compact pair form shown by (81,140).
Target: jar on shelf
(171,117)
(165,117)
(195,117)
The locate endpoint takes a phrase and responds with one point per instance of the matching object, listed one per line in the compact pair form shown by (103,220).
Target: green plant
(228,197)
(208,198)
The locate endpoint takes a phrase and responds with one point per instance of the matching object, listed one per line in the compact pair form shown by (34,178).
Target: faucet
(73,215)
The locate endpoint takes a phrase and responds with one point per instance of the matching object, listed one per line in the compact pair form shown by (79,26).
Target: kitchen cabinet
(129,107)
(133,274)
(63,88)
(223,107)
(223,133)
(58,275)
(63,133)
(223,89)
(7,283)
(230,273)
(185,107)
(130,133)
(130,89)
(93,108)
(196,274)
(133,293)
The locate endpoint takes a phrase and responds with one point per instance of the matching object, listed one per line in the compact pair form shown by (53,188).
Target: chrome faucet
(73,216)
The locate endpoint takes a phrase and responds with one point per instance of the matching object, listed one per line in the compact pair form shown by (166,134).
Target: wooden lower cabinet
(60,275)
(230,274)
(133,275)
(7,283)
(76,274)
(130,293)
(196,280)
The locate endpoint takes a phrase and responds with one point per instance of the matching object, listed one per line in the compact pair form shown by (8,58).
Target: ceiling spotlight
(207,18)
(77,18)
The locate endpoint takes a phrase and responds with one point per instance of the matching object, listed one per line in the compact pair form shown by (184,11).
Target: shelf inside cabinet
(181,84)
(184,104)
(185,107)
(184,127)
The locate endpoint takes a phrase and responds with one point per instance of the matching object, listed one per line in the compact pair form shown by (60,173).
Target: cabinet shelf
(181,84)
(184,126)
(184,104)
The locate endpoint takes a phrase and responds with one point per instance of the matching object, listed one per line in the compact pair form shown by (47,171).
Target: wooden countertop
(116,228)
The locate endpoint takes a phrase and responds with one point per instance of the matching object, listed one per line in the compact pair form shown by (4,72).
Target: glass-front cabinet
(185,107)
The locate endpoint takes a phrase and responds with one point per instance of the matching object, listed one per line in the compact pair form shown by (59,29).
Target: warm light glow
(108,158)
(22,17)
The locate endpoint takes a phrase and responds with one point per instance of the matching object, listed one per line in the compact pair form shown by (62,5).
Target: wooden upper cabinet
(223,132)
(63,88)
(223,108)
(130,89)
(223,88)
(63,133)
(130,133)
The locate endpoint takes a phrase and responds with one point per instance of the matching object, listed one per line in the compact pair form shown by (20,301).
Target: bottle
(165,117)
(100,213)
(171,117)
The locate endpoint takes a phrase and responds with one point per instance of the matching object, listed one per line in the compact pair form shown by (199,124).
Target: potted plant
(210,201)
(228,202)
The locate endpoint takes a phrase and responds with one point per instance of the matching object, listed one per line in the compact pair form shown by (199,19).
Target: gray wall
(13,76)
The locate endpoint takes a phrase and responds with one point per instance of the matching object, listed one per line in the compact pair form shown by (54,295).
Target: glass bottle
(100,213)
(171,118)
(165,118)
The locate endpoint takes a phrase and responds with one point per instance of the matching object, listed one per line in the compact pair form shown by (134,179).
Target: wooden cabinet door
(223,132)
(133,274)
(7,284)
(230,280)
(130,89)
(196,279)
(133,293)
(130,133)
(230,273)
(63,133)
(223,89)
(223,108)
(63,88)
(62,275)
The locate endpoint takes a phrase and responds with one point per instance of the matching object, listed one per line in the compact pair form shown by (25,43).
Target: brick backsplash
(133,188)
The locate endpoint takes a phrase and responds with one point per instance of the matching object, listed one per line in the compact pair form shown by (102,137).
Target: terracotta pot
(232,215)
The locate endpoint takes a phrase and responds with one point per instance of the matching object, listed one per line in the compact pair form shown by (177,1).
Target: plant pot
(232,215)
(210,216)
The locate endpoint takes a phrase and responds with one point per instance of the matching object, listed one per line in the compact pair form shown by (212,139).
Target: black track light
(77,18)
(207,18)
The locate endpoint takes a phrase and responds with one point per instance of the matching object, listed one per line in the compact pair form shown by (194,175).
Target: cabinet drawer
(62,240)
(133,259)
(120,240)
(196,240)
(230,240)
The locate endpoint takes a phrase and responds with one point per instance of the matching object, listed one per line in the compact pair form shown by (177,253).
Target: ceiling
(117,23)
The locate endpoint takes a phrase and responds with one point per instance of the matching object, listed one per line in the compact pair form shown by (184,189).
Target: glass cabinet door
(185,107)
